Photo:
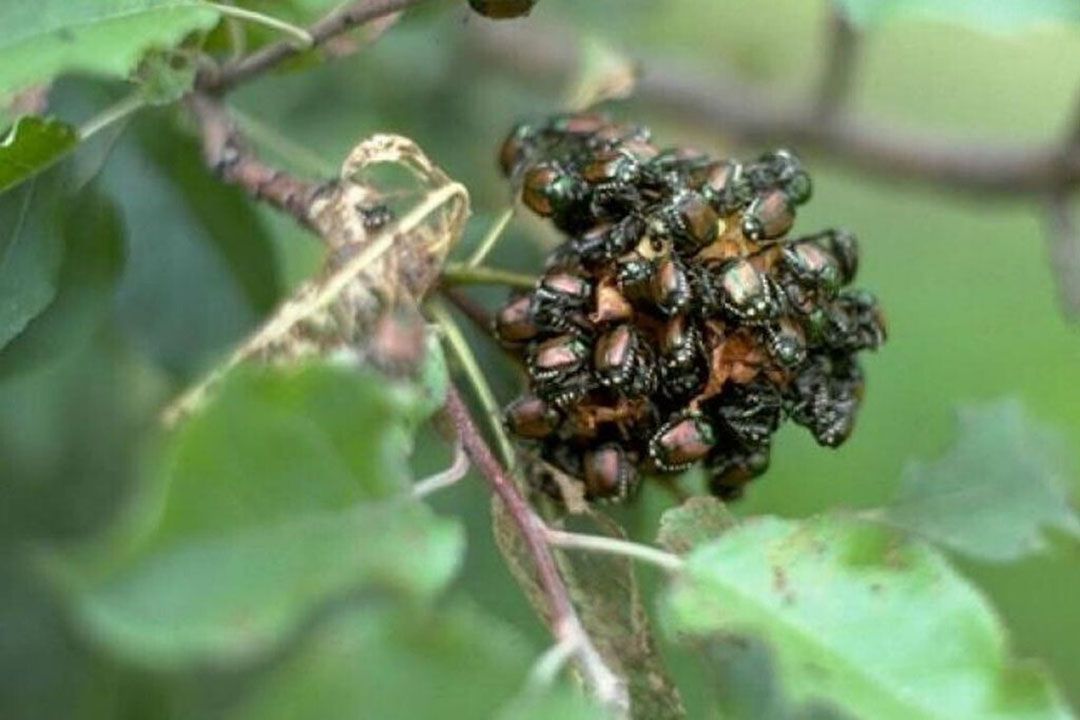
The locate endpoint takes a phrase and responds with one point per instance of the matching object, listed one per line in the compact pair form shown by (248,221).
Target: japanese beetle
(769,216)
(623,361)
(844,247)
(608,473)
(854,322)
(669,286)
(780,170)
(825,397)
(517,147)
(531,418)
(514,323)
(608,241)
(786,344)
(680,442)
(751,413)
(731,469)
(502,9)
(559,299)
(747,294)
(683,365)
(551,190)
(559,368)
(688,219)
(375,216)
(725,186)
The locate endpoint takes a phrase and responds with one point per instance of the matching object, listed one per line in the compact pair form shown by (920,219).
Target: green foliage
(381,663)
(266,559)
(996,490)
(695,522)
(996,16)
(833,600)
(93,259)
(265,508)
(229,222)
(31,145)
(41,40)
(31,251)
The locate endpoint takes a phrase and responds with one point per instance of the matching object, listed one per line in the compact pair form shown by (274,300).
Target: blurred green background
(965,282)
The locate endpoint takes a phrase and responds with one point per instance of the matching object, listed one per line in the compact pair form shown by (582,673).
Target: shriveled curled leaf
(288,493)
(367,271)
(31,145)
(855,618)
(995,492)
(697,521)
(43,39)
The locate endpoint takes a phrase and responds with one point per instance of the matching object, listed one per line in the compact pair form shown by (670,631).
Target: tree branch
(842,46)
(1063,238)
(887,151)
(340,21)
(228,156)
(566,625)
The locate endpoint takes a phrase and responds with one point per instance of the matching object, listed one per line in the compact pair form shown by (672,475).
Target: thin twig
(458,469)
(842,45)
(116,112)
(492,237)
(460,347)
(566,625)
(615,546)
(463,274)
(1063,238)
(723,100)
(547,666)
(340,21)
(301,37)
(227,155)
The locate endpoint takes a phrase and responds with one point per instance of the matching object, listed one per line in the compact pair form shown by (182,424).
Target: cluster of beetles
(677,322)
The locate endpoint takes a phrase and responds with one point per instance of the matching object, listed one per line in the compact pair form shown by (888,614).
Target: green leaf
(859,619)
(31,250)
(164,78)
(996,16)
(41,40)
(383,664)
(32,144)
(93,259)
(286,494)
(995,492)
(225,213)
(695,522)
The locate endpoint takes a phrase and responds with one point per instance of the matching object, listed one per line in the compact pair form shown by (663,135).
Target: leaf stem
(614,546)
(465,274)
(303,37)
(492,237)
(112,114)
(458,469)
(460,347)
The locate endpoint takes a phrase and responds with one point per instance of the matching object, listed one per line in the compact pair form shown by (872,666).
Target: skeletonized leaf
(32,144)
(856,618)
(40,40)
(995,492)
(288,493)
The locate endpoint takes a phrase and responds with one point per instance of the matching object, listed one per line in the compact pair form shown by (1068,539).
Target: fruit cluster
(676,323)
